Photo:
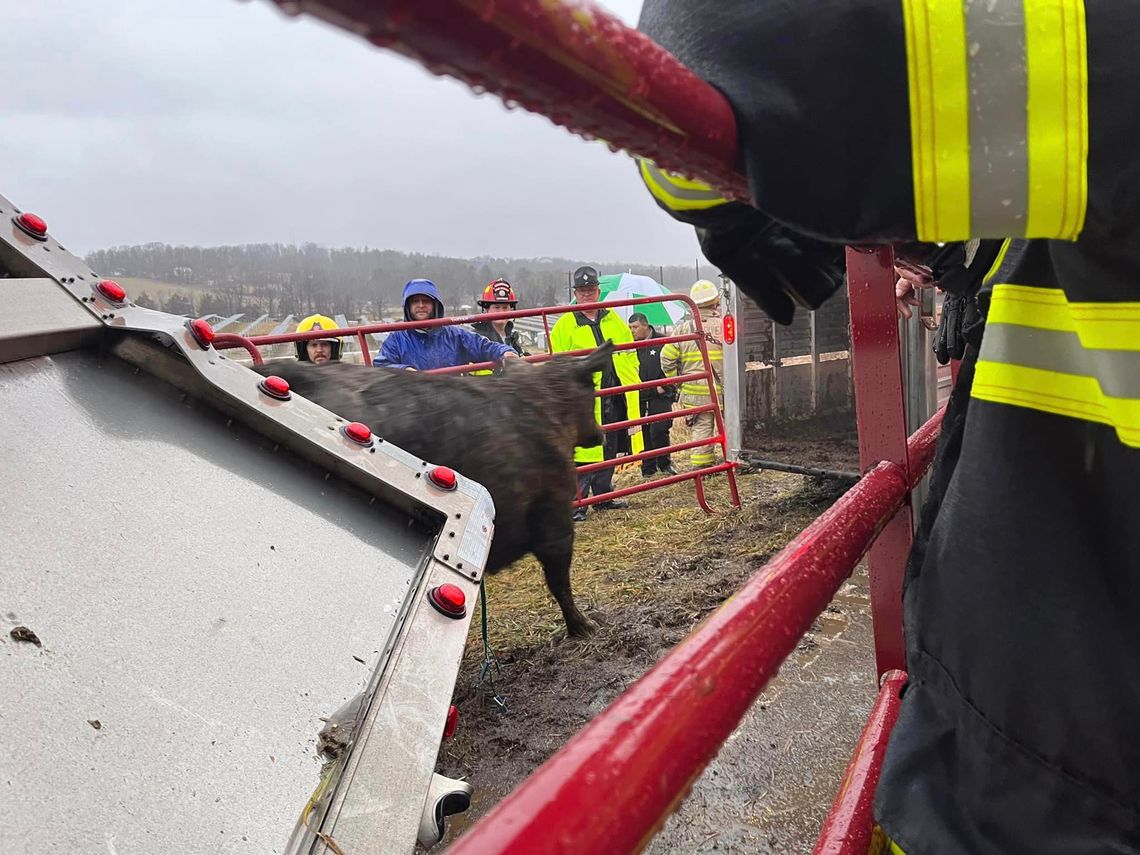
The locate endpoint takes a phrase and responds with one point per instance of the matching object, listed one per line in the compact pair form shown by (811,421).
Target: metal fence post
(813,318)
(881,418)
(735,362)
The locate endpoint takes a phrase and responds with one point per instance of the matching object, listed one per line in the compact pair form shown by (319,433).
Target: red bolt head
(112,290)
(202,331)
(443,477)
(32,225)
(275,387)
(358,433)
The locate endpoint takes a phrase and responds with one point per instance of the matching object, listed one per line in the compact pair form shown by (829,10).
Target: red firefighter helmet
(499,291)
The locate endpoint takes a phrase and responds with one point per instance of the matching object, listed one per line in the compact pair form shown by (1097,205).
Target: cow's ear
(597,360)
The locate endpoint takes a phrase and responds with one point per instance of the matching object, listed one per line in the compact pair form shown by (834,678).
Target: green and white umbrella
(624,286)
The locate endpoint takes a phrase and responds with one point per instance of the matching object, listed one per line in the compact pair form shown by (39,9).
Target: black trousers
(656,435)
(601,480)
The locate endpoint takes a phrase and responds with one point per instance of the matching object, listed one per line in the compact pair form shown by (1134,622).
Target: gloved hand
(950,341)
(775,266)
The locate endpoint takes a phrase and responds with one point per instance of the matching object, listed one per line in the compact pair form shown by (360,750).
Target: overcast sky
(218,122)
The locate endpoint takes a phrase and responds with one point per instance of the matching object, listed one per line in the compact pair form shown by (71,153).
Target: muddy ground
(647,576)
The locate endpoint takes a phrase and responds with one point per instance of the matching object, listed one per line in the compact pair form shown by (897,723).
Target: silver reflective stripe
(1117,371)
(999,159)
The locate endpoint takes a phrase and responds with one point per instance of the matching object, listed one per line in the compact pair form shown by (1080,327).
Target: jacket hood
(424,288)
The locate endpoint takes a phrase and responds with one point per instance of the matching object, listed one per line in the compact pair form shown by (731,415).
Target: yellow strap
(1057,117)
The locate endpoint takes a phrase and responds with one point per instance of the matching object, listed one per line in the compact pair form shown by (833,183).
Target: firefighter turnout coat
(937,120)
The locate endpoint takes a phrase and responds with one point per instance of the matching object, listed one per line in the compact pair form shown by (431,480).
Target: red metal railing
(574,63)
(631,765)
(876,371)
(697,475)
(849,825)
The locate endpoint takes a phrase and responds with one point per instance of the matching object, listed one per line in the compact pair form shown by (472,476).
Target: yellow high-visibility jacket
(573,332)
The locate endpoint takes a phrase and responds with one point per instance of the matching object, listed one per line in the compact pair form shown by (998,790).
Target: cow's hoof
(580,630)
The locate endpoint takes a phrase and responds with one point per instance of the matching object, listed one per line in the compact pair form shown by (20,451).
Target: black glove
(963,319)
(948,341)
(775,266)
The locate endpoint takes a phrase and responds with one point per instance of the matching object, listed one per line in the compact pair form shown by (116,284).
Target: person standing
(684,357)
(582,330)
(499,296)
(655,400)
(434,347)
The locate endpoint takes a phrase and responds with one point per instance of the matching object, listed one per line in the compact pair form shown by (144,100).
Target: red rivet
(358,433)
(452,724)
(275,387)
(32,225)
(202,331)
(448,600)
(442,477)
(112,290)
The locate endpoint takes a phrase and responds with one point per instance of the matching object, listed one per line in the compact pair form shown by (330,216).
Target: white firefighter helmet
(704,293)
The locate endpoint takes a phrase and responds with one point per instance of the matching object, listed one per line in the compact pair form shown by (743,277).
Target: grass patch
(654,554)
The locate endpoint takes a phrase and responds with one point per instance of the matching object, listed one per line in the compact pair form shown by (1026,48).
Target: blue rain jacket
(438,347)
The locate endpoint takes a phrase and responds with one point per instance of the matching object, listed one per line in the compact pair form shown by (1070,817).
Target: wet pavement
(773,782)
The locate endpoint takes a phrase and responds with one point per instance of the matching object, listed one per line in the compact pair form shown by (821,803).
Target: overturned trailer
(198,569)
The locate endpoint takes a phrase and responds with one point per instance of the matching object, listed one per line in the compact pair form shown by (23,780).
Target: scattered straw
(619,554)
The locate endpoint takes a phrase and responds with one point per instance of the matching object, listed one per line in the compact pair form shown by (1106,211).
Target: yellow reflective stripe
(714,356)
(1057,131)
(1070,395)
(677,193)
(1075,359)
(939,117)
(1106,326)
(996,266)
(998,100)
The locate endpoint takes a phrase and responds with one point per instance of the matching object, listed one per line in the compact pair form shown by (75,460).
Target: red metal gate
(705,375)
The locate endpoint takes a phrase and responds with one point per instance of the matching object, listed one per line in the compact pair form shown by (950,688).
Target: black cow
(514,433)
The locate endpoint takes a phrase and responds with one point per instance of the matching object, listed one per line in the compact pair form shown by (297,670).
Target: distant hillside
(283,279)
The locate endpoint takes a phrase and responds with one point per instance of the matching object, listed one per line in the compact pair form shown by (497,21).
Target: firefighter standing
(499,296)
(684,357)
(580,330)
(318,350)
(654,401)
(1019,729)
